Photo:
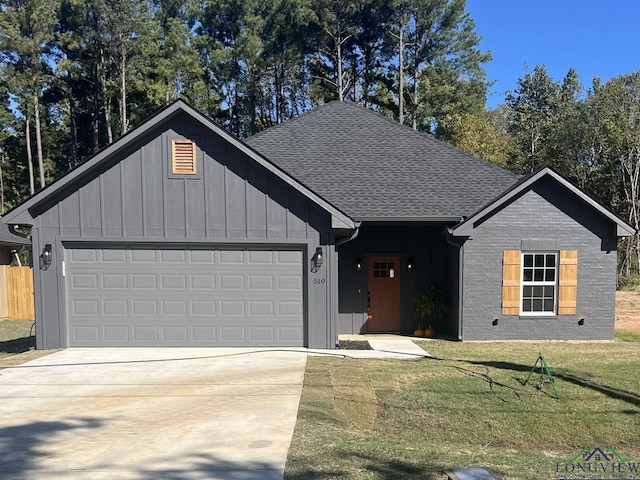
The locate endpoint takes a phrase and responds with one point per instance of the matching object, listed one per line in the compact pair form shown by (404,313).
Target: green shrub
(628,282)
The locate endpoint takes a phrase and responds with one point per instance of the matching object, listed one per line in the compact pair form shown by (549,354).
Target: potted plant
(429,307)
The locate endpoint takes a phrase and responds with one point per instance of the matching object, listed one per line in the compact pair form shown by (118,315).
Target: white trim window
(538,288)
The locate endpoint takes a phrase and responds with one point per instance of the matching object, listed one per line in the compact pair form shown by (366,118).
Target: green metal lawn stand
(544,372)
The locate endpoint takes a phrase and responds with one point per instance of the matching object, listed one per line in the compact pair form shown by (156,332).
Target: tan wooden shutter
(183,157)
(568,282)
(511,282)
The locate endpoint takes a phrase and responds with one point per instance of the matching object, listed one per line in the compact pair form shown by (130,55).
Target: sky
(596,38)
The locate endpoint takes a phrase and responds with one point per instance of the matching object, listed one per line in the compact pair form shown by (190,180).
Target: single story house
(179,234)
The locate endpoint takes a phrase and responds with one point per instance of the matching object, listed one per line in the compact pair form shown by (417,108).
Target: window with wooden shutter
(511,282)
(539,283)
(568,282)
(183,157)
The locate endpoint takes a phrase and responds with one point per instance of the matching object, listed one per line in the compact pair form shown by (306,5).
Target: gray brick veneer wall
(545,218)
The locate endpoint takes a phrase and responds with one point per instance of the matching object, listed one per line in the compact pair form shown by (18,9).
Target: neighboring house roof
(465,227)
(8,238)
(373,168)
(24,212)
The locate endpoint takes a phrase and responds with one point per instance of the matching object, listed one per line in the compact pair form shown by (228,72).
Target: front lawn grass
(16,342)
(386,419)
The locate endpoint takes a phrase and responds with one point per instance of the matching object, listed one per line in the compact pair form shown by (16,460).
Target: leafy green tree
(616,114)
(169,64)
(444,64)
(485,136)
(534,110)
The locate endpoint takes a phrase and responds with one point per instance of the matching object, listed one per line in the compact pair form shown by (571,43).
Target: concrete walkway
(152,413)
(384,346)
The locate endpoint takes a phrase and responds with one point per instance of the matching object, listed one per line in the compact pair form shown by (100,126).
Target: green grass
(385,419)
(16,343)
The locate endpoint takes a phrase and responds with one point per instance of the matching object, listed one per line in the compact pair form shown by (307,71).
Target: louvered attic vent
(183,157)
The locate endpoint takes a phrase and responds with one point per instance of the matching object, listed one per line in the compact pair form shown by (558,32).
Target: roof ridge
(392,122)
(294,119)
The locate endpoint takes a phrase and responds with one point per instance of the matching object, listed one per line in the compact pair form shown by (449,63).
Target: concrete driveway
(171,413)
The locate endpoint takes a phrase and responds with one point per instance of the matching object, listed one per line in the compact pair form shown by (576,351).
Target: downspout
(460,247)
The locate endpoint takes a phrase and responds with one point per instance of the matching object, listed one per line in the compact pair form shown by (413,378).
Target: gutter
(351,237)
(16,230)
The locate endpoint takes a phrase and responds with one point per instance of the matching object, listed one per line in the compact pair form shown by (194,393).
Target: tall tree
(25,40)
(170,65)
(337,25)
(548,121)
(532,110)
(616,112)
(442,51)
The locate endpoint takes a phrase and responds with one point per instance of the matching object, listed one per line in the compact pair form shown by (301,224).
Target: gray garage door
(175,297)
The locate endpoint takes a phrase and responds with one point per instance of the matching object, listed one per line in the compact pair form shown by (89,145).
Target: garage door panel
(113,256)
(86,334)
(231,257)
(142,281)
(202,281)
(88,255)
(115,308)
(206,257)
(188,297)
(118,333)
(173,281)
(115,281)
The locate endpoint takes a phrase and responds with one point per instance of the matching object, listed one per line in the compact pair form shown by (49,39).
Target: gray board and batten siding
(545,217)
(129,202)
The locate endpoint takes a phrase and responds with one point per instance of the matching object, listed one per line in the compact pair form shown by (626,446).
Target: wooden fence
(16,292)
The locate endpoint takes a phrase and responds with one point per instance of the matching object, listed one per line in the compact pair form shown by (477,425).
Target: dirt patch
(354,345)
(628,311)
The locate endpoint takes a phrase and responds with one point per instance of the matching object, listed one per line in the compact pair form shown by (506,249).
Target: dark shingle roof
(369,166)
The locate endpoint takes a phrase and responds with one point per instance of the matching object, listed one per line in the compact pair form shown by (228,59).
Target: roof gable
(373,168)
(26,211)
(466,227)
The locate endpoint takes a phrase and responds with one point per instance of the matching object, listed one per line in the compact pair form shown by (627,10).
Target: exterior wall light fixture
(409,265)
(358,265)
(317,259)
(46,257)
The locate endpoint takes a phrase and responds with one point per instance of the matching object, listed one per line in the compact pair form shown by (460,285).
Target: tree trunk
(74,131)
(96,123)
(401,73)
(124,121)
(339,62)
(27,127)
(36,107)
(414,100)
(106,105)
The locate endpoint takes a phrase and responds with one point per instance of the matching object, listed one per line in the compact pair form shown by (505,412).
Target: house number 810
(319,281)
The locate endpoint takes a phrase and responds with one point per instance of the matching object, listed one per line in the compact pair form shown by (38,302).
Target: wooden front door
(383,296)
